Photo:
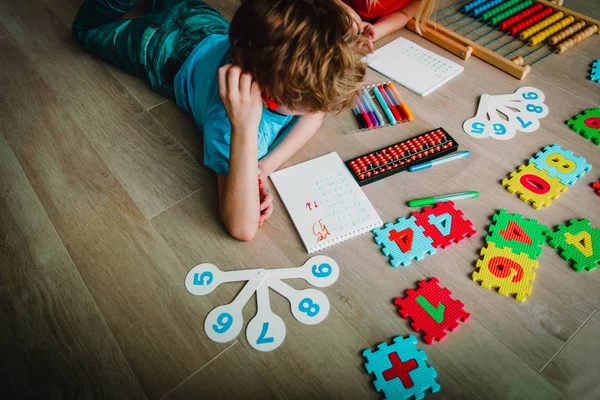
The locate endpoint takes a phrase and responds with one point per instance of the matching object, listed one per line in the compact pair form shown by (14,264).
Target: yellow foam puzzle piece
(534,185)
(508,272)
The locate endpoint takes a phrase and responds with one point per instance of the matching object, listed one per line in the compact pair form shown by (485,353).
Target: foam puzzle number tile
(517,233)
(596,187)
(595,73)
(403,241)
(506,271)
(534,186)
(432,310)
(561,163)
(444,223)
(587,124)
(400,369)
(578,242)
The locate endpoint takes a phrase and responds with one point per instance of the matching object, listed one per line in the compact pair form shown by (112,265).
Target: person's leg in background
(132,44)
(152,46)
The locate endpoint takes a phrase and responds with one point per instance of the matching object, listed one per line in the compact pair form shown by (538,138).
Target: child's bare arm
(395,21)
(304,129)
(238,191)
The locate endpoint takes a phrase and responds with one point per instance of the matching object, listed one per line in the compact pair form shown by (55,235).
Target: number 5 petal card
(266,331)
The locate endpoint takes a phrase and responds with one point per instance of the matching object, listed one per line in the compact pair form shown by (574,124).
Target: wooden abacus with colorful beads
(484,29)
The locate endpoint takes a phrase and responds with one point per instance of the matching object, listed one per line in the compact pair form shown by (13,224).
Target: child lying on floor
(299,54)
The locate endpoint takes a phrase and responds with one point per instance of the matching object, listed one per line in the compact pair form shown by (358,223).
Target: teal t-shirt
(197,92)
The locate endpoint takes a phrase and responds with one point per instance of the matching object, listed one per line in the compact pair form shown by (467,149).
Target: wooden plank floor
(105,205)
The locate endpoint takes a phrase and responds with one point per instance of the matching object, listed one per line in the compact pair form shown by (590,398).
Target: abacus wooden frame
(463,47)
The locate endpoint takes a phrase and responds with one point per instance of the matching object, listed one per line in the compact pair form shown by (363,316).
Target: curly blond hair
(302,53)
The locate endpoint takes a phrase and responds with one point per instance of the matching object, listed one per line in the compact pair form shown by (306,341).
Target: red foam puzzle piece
(596,187)
(432,310)
(459,229)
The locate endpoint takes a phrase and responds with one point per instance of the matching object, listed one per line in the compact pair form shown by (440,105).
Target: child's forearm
(390,23)
(301,132)
(395,21)
(239,189)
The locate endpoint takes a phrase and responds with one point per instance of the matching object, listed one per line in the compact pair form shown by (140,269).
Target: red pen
(390,103)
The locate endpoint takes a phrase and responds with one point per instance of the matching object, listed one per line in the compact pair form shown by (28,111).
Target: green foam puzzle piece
(517,233)
(577,242)
(587,124)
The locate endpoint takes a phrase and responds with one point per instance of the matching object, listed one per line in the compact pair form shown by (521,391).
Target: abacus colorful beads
(468,7)
(551,30)
(577,38)
(565,33)
(504,25)
(398,157)
(541,25)
(486,6)
(518,60)
(510,12)
(498,9)
(530,21)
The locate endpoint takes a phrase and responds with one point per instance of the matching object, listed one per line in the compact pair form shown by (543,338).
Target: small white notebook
(412,66)
(325,203)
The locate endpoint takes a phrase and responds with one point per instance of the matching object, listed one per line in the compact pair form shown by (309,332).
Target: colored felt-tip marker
(360,120)
(372,105)
(427,201)
(384,105)
(388,100)
(364,113)
(442,160)
(403,105)
(369,111)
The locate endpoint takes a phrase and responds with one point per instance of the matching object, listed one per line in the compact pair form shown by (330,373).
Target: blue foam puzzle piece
(569,178)
(443,222)
(422,377)
(595,74)
(421,244)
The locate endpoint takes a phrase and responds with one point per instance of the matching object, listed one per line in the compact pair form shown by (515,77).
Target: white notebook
(412,66)
(325,203)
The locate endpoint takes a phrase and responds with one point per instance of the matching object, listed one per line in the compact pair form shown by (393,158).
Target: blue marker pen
(429,164)
(384,105)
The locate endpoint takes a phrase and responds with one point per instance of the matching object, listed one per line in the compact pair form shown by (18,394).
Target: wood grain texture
(137,87)
(193,230)
(153,168)
(181,126)
(97,165)
(572,372)
(231,375)
(132,275)
(54,338)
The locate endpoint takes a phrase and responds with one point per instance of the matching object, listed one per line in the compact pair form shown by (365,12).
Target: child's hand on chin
(241,97)
(266,202)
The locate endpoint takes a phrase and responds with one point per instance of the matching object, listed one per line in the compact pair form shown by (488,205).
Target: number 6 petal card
(432,310)
(500,117)
(266,330)
(546,176)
